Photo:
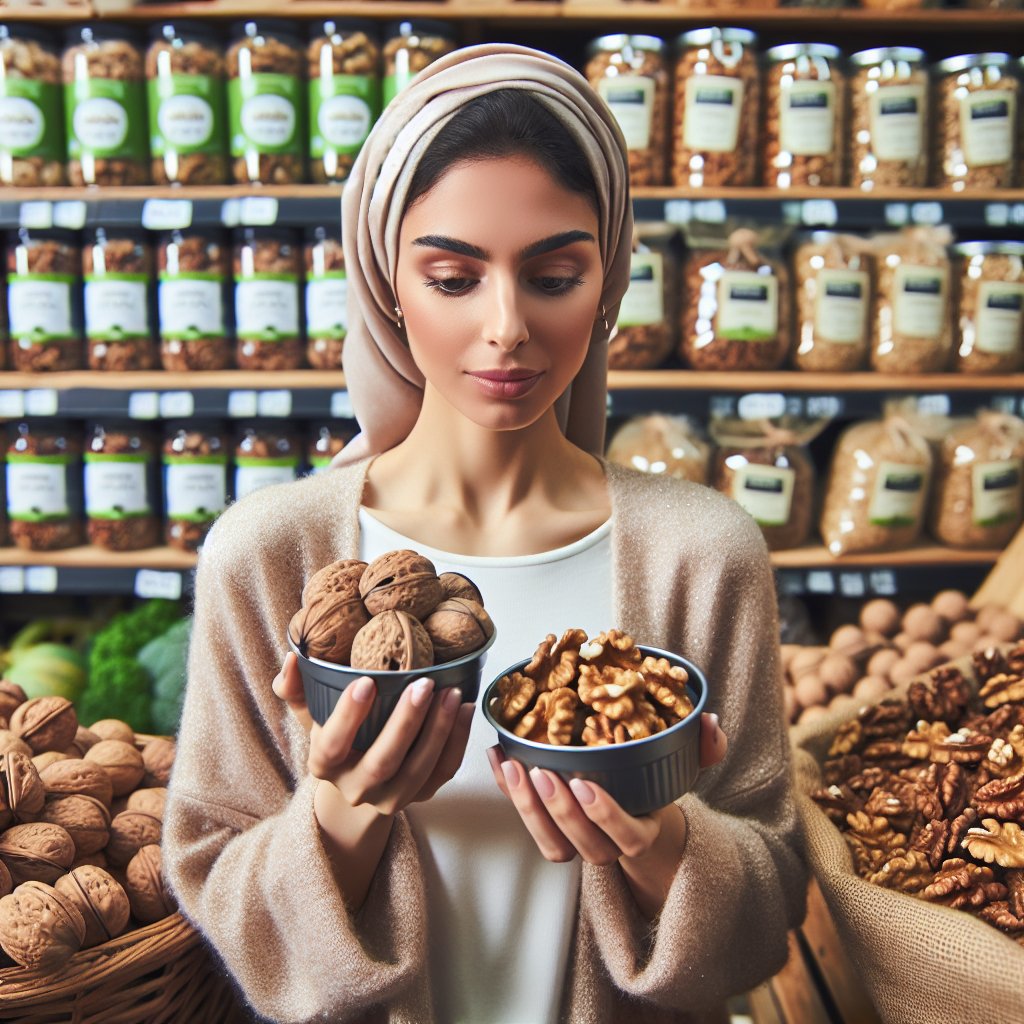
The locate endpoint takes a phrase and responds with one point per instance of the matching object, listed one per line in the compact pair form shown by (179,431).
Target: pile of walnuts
(929,790)
(81,817)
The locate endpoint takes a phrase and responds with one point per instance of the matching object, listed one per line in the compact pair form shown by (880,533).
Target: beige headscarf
(385,385)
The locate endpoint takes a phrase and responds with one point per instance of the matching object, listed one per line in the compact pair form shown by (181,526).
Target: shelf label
(897,214)
(819,211)
(722,405)
(761,406)
(341,405)
(12,404)
(926,213)
(851,584)
(274,403)
(153,583)
(177,405)
(70,214)
(12,579)
(143,405)
(36,213)
(824,406)
(709,211)
(997,215)
(882,582)
(41,579)
(42,402)
(933,405)
(1003,403)
(229,211)
(242,404)
(678,211)
(257,211)
(820,581)
(166,214)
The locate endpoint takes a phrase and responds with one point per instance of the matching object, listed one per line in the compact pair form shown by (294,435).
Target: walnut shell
(84,818)
(22,793)
(77,775)
(11,695)
(121,761)
(100,899)
(340,578)
(6,882)
(147,890)
(454,584)
(84,739)
(392,641)
(325,627)
(401,581)
(39,927)
(113,729)
(151,801)
(48,757)
(9,741)
(45,723)
(158,758)
(129,832)
(456,627)
(97,859)
(39,851)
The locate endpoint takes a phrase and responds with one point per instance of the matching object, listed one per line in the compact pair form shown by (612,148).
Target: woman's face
(499,281)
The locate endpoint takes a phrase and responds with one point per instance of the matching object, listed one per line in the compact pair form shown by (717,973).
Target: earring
(604,317)
(398,315)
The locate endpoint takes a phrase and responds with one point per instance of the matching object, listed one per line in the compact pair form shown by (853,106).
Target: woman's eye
(450,285)
(557,285)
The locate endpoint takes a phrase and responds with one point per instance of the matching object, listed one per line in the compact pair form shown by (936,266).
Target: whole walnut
(158,758)
(76,775)
(150,898)
(11,695)
(6,882)
(340,578)
(122,763)
(454,584)
(392,641)
(22,793)
(9,741)
(39,927)
(151,800)
(84,739)
(84,818)
(39,850)
(325,627)
(129,832)
(48,757)
(113,729)
(45,723)
(457,627)
(100,899)
(403,581)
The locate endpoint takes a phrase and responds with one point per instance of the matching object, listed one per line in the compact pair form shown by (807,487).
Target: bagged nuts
(657,443)
(990,298)
(326,298)
(265,453)
(408,48)
(326,440)
(195,461)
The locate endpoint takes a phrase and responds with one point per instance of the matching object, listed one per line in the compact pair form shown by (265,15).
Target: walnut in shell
(77,775)
(84,739)
(39,927)
(113,729)
(456,627)
(45,723)
(100,899)
(84,818)
(392,641)
(129,832)
(6,883)
(121,761)
(402,580)
(151,801)
(38,850)
(340,578)
(48,757)
(22,793)
(158,759)
(147,891)
(454,584)
(325,627)
(11,695)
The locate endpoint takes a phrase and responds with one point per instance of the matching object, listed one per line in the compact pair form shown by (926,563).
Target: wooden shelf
(815,556)
(90,557)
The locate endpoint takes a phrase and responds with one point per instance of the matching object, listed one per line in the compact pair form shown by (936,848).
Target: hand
(419,749)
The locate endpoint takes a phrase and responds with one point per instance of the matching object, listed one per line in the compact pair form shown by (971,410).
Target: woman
(487,229)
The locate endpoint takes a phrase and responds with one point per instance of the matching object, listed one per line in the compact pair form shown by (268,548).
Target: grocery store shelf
(813,556)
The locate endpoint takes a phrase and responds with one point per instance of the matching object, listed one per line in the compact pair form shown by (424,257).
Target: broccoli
(165,660)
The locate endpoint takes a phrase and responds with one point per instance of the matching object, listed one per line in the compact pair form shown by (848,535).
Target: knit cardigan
(243,850)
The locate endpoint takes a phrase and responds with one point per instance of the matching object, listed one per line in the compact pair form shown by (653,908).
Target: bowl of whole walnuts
(620,714)
(395,620)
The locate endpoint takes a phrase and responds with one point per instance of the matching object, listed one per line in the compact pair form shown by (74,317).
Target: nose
(506,320)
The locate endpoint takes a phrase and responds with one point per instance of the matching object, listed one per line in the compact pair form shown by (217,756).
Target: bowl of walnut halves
(616,713)
(395,620)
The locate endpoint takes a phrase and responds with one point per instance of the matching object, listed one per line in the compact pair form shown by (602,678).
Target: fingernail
(511,773)
(583,791)
(714,718)
(363,690)
(542,783)
(452,698)
(420,691)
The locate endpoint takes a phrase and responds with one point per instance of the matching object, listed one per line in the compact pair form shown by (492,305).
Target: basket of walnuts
(88,928)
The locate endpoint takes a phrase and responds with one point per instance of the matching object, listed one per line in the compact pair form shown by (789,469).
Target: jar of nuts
(187,107)
(44,484)
(120,486)
(990,297)
(266,452)
(717,108)
(195,464)
(44,300)
(266,103)
(105,106)
(268,268)
(117,265)
(409,46)
(976,127)
(326,298)
(805,98)
(659,443)
(193,296)
(325,441)
(5,533)
(889,112)
(631,74)
(344,93)
(833,301)
(31,121)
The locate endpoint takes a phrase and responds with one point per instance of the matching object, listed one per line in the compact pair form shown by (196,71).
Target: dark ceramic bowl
(641,775)
(324,682)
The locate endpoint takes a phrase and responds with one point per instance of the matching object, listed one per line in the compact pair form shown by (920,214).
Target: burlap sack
(920,962)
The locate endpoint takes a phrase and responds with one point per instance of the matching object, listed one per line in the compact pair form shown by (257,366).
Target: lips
(516,374)
(511,383)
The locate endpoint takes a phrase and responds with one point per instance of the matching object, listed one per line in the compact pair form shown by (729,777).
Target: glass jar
(192,298)
(5,533)
(105,106)
(120,486)
(344,93)
(325,441)
(268,268)
(187,105)
(326,298)
(990,314)
(44,300)
(266,105)
(195,476)
(5,334)
(117,265)
(31,120)
(409,46)
(266,452)
(44,484)
(717,108)
(805,98)
(631,74)
(976,121)
(889,112)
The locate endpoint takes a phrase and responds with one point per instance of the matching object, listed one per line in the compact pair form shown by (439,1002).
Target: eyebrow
(558,241)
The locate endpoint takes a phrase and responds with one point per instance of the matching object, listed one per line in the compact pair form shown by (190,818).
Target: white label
(242,403)
(177,405)
(143,405)
(998,322)
(257,211)
(115,489)
(36,490)
(341,405)
(712,119)
(807,118)
(252,478)
(996,492)
(100,123)
(166,214)
(37,213)
(766,492)
(761,405)
(265,310)
(986,125)
(12,579)
(274,403)
(21,122)
(644,301)
(185,120)
(70,214)
(116,309)
(42,402)
(268,120)
(327,306)
(191,308)
(40,308)
(919,302)
(152,583)
(896,120)
(748,306)
(899,495)
(841,306)
(12,403)
(195,490)
(344,121)
(631,100)
(41,579)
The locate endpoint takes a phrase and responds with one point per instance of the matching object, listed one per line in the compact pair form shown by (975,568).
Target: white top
(501,916)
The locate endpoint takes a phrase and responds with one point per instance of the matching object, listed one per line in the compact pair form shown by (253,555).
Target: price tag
(41,402)
(709,211)
(761,406)
(41,579)
(678,211)
(934,405)
(1017,213)
(883,582)
(36,213)
(897,214)
(12,404)
(820,581)
(258,211)
(824,406)
(997,215)
(12,579)
(341,405)
(819,211)
(166,214)
(177,405)
(143,405)
(722,405)
(229,211)
(851,584)
(70,214)
(274,403)
(242,404)
(926,213)
(151,583)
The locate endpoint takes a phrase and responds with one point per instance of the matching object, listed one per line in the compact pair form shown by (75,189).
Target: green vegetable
(48,670)
(165,659)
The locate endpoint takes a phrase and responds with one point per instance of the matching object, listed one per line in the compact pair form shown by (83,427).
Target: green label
(264,112)
(115,457)
(394,84)
(195,460)
(251,462)
(106,118)
(30,119)
(342,110)
(186,114)
(46,460)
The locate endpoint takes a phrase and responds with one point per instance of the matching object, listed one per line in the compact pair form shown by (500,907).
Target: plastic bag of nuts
(195,474)
(736,306)
(266,105)
(717,108)
(187,107)
(976,121)
(192,298)
(265,453)
(409,46)
(268,266)
(105,106)
(31,122)
(117,266)
(631,74)
(833,300)
(44,300)
(344,93)
(44,484)
(990,297)
(889,115)
(912,330)
(805,102)
(325,441)
(326,298)
(659,443)
(977,501)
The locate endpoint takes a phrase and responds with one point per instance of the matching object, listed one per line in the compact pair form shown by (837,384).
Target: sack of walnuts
(659,443)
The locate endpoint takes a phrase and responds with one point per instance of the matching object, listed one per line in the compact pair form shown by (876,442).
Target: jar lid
(185,29)
(787,51)
(419,27)
(253,29)
(34,32)
(989,248)
(100,32)
(703,36)
(910,54)
(964,61)
(342,26)
(620,40)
